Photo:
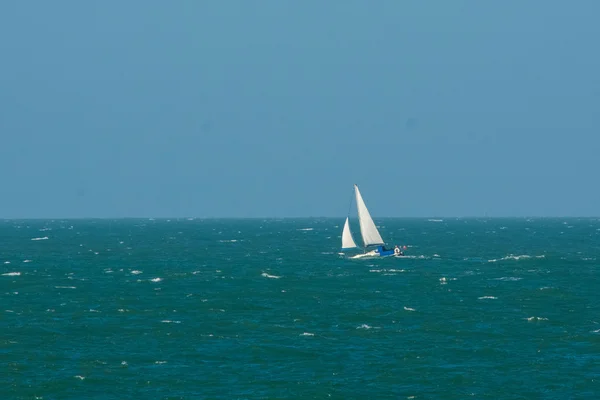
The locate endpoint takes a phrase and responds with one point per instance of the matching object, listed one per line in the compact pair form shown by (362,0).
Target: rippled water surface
(251,309)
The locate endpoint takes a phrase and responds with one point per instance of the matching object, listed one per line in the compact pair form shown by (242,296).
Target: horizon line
(295,217)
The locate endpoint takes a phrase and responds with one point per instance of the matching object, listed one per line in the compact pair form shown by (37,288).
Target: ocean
(269,309)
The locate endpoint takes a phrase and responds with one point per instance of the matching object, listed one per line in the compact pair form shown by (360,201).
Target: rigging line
(350,205)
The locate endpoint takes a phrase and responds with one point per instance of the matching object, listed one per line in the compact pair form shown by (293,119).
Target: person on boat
(397,251)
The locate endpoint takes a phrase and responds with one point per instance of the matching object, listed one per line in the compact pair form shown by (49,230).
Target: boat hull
(380,251)
(383,252)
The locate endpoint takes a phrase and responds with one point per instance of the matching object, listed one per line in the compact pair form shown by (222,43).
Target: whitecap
(387,271)
(487,297)
(307,334)
(270,276)
(536,319)
(12,274)
(364,326)
(156,279)
(40,238)
(409,309)
(514,257)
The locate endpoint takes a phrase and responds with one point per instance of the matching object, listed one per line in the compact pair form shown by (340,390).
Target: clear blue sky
(275,108)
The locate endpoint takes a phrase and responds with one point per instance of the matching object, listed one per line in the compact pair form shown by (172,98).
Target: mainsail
(368,230)
(347,239)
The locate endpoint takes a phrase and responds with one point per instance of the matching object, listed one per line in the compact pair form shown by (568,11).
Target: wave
(365,326)
(508,279)
(386,270)
(516,258)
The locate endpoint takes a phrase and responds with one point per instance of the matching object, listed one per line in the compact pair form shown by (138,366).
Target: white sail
(369,231)
(347,239)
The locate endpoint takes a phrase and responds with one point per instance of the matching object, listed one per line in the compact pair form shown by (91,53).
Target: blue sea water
(269,309)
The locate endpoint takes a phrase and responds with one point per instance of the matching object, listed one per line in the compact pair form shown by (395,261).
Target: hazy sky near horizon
(275,108)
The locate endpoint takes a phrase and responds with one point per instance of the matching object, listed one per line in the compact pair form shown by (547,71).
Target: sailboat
(368,230)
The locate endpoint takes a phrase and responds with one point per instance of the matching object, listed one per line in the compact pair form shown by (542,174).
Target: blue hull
(379,251)
(382,252)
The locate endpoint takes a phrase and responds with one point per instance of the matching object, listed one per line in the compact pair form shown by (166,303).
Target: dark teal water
(253,309)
